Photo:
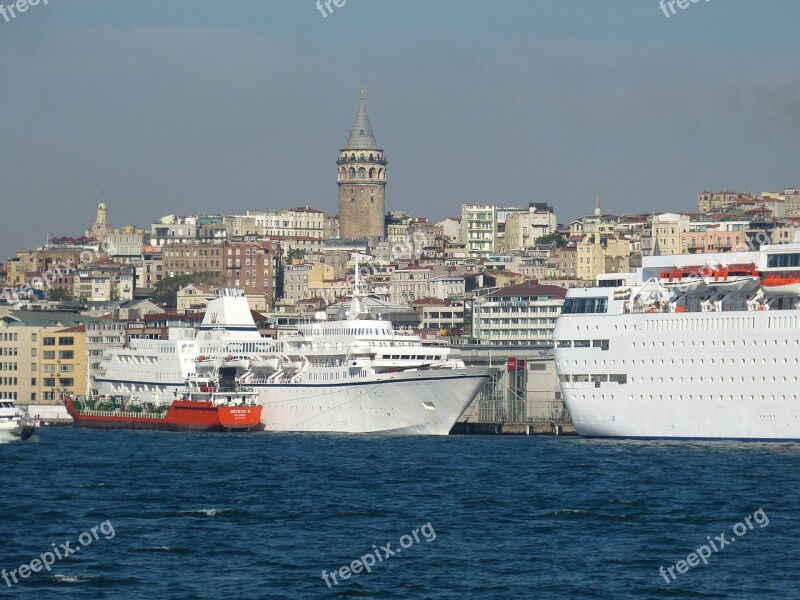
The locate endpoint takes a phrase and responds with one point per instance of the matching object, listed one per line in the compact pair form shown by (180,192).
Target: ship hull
(711,375)
(181,416)
(390,402)
(418,403)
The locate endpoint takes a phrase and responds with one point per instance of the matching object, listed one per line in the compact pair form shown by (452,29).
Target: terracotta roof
(430,302)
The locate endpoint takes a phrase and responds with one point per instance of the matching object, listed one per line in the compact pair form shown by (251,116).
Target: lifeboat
(738,278)
(266,364)
(777,285)
(682,279)
(237,362)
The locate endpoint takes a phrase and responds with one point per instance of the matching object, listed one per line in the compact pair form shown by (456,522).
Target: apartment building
(253,262)
(479,229)
(409,283)
(517,315)
(42,355)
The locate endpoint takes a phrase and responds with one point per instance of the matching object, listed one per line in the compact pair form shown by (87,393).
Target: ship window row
(602,344)
(699,324)
(408,357)
(579,306)
(782,261)
(680,361)
(613,378)
(691,397)
(711,379)
(713,343)
(596,378)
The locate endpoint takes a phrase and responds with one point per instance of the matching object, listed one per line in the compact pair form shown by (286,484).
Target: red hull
(182,415)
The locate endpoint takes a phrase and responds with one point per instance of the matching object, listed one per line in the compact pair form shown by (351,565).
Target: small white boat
(265,364)
(682,281)
(237,362)
(13,421)
(736,278)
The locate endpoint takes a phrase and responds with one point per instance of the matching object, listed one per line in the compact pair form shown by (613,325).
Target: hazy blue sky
(180,106)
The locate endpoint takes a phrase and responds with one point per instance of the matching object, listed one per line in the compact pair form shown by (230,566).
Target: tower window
(372,199)
(362,173)
(352,200)
(352,173)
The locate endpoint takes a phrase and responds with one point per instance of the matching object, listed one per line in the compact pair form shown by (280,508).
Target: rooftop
(361,135)
(529,289)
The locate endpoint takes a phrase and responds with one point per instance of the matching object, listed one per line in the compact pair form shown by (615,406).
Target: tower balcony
(373,160)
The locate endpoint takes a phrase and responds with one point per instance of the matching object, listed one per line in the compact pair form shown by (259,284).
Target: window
(575,306)
(66,341)
(49,341)
(783,260)
(66,355)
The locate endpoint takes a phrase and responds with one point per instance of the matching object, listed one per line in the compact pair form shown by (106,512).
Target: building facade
(517,315)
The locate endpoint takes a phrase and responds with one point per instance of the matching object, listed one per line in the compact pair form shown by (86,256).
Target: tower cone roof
(361,135)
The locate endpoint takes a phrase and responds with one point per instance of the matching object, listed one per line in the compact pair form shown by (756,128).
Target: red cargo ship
(204,407)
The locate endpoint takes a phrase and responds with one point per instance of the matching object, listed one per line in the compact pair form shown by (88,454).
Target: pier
(523,396)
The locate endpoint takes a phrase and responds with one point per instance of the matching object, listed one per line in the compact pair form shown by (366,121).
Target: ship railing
(120,413)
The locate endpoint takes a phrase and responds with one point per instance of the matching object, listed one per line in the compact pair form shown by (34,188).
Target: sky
(187,106)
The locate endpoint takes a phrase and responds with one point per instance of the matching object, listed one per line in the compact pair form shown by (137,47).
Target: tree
(557,238)
(294,253)
(166,290)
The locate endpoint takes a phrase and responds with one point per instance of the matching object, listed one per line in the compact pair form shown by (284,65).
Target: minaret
(362,181)
(597,210)
(100,228)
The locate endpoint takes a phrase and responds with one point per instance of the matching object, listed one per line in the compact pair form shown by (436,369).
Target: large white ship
(703,346)
(355,375)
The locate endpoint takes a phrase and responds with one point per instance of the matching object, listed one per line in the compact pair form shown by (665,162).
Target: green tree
(557,238)
(166,290)
(295,253)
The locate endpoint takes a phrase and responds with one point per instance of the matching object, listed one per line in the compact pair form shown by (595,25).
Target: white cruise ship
(703,346)
(355,375)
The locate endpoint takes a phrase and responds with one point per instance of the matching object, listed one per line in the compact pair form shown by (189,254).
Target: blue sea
(264,515)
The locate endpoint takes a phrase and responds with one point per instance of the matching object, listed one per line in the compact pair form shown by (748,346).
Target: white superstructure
(691,346)
(13,422)
(354,375)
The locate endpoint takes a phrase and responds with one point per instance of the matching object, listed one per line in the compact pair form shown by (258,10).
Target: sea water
(195,515)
